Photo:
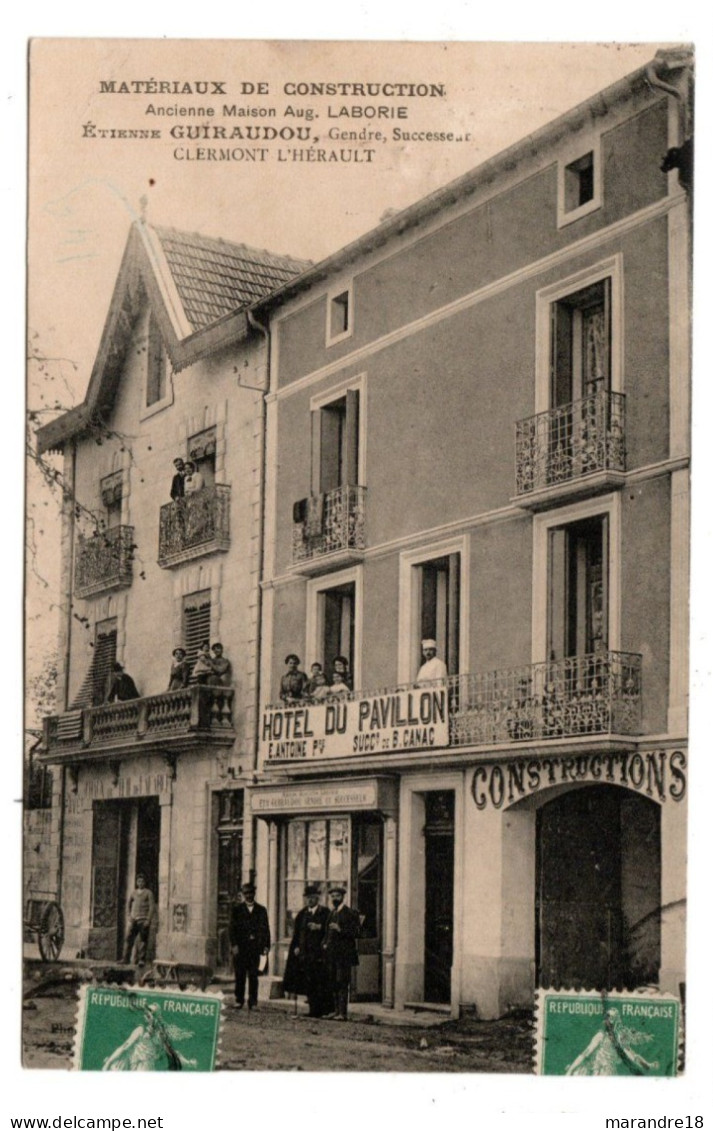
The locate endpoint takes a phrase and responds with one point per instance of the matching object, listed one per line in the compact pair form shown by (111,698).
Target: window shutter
(196,622)
(93,689)
(352,438)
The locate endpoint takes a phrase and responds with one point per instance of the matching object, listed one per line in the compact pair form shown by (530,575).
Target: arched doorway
(598,889)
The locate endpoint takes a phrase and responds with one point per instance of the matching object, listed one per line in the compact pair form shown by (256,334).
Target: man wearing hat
(432,667)
(249,933)
(340,948)
(306,968)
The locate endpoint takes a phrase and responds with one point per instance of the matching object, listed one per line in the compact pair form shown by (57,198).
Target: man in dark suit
(306,970)
(340,948)
(249,933)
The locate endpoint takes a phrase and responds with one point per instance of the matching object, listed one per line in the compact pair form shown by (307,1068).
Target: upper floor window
(112,489)
(580,344)
(336,447)
(196,623)
(340,315)
(157,367)
(579,189)
(95,686)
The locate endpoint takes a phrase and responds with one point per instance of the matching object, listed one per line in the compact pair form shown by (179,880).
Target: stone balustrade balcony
(104,561)
(194,526)
(330,530)
(174,721)
(571,450)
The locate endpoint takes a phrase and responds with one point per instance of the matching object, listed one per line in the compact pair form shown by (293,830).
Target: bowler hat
(312,889)
(248,889)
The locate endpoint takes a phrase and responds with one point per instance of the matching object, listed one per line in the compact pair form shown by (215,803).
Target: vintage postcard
(358,556)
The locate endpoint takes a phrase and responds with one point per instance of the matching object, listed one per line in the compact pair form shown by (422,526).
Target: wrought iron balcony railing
(172,720)
(579,697)
(331,523)
(596,694)
(571,441)
(195,525)
(104,561)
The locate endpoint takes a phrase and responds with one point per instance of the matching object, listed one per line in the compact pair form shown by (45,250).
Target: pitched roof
(215,277)
(199,289)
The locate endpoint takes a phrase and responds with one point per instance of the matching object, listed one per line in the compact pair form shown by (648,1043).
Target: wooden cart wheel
(51,932)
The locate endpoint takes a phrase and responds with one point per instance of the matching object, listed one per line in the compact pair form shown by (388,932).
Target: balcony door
(336,444)
(580,356)
(578,615)
(337,608)
(437,594)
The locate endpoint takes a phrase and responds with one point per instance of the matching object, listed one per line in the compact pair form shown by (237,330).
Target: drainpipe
(253,322)
(69,506)
(680,154)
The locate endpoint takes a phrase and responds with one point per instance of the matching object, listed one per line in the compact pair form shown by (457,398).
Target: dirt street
(273,1038)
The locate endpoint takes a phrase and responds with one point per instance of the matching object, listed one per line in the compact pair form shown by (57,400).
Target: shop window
(196,622)
(318,852)
(367,894)
(578,590)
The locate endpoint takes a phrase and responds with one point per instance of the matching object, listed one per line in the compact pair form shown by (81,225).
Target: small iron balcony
(195,525)
(572,448)
(329,529)
(104,561)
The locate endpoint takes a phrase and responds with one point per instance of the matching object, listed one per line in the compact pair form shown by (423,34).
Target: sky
(83,195)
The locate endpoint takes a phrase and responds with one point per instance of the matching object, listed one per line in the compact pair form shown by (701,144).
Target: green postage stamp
(592,1033)
(129,1029)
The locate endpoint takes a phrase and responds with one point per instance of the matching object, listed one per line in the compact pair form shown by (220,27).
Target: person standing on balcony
(121,685)
(294,682)
(432,667)
(193,481)
(341,679)
(180,670)
(178,489)
(140,911)
(203,666)
(222,668)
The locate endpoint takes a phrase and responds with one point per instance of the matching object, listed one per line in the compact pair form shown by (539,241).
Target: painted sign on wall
(416,719)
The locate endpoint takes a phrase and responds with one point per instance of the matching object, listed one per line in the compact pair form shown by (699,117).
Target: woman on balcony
(193,480)
(180,670)
(294,682)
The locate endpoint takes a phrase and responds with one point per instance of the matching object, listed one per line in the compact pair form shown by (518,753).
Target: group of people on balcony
(210,667)
(187,479)
(298,687)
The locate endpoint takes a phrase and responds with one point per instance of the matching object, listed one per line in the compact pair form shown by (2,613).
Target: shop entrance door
(367,888)
(598,888)
(438,922)
(126,840)
(230,865)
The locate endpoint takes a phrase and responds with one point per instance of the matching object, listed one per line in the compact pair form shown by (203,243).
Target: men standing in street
(306,958)
(341,949)
(140,911)
(249,933)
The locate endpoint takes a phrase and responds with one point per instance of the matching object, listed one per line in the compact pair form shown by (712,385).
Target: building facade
(478,434)
(471,426)
(154,784)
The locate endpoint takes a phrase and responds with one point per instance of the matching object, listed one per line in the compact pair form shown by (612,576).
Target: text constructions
(659,773)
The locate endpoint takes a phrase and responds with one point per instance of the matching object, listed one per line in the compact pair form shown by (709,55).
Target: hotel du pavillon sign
(416,719)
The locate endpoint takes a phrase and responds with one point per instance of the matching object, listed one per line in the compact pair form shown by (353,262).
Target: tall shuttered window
(196,622)
(157,363)
(93,690)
